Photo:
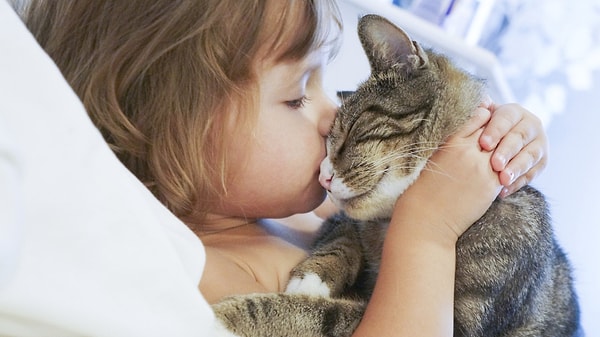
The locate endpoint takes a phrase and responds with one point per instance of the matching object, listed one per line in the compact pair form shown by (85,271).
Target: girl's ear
(387,45)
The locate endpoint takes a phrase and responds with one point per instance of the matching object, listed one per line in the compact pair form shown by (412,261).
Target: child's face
(284,151)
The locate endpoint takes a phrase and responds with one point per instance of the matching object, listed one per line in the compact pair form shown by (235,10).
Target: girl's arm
(414,294)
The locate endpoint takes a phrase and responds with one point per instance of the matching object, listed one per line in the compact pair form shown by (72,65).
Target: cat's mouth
(347,198)
(378,201)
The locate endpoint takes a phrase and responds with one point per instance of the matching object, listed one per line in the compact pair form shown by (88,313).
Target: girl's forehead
(292,30)
(293,69)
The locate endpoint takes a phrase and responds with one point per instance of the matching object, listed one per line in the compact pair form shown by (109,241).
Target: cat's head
(387,129)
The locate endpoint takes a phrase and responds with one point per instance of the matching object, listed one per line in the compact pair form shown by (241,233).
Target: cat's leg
(264,315)
(334,263)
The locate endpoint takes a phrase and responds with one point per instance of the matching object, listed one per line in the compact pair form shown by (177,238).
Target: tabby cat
(512,278)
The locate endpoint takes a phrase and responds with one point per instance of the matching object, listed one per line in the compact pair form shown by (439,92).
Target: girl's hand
(520,145)
(458,184)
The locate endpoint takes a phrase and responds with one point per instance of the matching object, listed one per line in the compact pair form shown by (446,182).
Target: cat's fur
(512,278)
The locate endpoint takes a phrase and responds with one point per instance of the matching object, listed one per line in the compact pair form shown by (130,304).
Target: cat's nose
(326,174)
(325,180)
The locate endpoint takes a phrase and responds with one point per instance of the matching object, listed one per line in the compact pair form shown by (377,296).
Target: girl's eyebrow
(310,66)
(302,71)
(299,71)
(314,61)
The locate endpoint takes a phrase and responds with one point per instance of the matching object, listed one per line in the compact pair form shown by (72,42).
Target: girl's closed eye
(297,103)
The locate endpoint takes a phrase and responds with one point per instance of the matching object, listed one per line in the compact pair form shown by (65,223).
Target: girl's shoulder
(247,261)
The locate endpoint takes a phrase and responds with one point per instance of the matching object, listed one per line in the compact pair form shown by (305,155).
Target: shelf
(351,66)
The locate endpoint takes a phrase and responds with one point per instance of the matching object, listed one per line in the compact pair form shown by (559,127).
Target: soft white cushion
(85,249)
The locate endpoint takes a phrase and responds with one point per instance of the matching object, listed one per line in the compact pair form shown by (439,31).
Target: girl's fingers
(506,117)
(479,119)
(523,180)
(521,141)
(517,139)
(524,167)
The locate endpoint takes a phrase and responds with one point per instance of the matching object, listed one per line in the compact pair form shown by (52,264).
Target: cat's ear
(387,45)
(343,95)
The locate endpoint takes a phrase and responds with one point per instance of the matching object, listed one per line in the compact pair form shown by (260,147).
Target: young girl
(218,107)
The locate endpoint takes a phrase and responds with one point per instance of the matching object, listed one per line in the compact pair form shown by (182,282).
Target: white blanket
(85,249)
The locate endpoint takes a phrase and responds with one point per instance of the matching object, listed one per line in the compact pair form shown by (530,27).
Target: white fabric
(85,249)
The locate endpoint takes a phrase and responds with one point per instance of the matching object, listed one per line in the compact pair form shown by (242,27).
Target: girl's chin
(318,201)
(312,199)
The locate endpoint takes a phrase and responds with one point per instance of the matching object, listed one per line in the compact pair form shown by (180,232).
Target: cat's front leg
(273,315)
(335,260)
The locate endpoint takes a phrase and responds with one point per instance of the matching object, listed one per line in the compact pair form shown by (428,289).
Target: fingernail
(499,162)
(502,160)
(511,175)
(487,141)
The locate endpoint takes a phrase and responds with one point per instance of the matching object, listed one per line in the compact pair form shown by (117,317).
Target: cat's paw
(310,284)
(220,330)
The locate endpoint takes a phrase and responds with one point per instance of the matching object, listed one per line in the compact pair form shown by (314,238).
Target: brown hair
(160,79)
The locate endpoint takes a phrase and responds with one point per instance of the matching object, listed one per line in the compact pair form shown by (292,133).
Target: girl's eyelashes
(297,103)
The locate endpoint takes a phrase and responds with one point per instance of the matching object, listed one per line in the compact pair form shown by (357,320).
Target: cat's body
(512,278)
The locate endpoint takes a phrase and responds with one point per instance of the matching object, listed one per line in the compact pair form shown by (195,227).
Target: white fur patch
(338,189)
(311,284)
(391,188)
(380,202)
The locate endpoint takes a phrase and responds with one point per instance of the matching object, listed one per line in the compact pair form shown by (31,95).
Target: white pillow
(85,249)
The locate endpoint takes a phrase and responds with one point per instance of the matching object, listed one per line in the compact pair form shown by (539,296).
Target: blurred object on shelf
(546,49)
(434,11)
(549,49)
(475,59)
(463,18)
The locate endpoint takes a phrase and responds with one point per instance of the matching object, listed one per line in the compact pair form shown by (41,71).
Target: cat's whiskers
(434,167)
(413,153)
(390,163)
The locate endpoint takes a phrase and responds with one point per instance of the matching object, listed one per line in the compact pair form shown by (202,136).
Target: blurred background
(543,54)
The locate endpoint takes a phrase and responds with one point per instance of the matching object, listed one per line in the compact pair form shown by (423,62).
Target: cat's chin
(377,204)
(366,208)
(369,214)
